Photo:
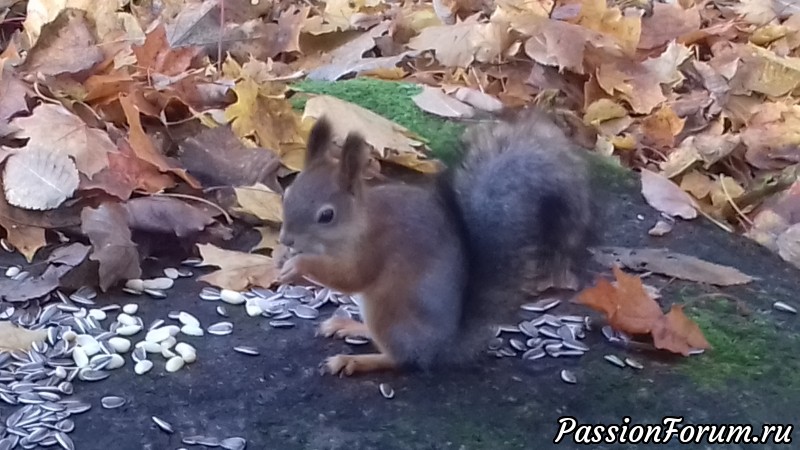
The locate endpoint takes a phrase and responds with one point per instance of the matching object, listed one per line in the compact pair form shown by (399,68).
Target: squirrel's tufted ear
(354,160)
(318,141)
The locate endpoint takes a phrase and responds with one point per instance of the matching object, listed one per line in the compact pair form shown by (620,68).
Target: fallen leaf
(668,22)
(166,215)
(661,127)
(126,173)
(627,306)
(14,338)
(25,238)
(625,28)
(13,93)
(678,334)
(392,141)
(238,270)
(53,128)
(66,45)
(107,229)
(156,55)
(71,254)
(39,179)
(435,101)
(788,244)
(269,239)
(260,201)
(217,157)
(661,228)
(671,264)
(765,72)
(478,99)
(263,111)
(773,136)
(665,196)
(32,287)
(460,44)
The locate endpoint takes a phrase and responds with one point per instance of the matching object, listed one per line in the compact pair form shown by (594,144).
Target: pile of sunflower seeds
(555,336)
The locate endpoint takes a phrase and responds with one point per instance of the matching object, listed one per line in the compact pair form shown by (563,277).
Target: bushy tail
(521,198)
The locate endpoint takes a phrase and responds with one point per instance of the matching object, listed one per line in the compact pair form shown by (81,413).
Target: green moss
(391,100)
(607,172)
(747,350)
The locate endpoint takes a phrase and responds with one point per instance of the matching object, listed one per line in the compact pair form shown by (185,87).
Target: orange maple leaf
(629,308)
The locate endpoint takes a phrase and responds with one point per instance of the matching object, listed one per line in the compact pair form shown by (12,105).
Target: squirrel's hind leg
(343,327)
(357,364)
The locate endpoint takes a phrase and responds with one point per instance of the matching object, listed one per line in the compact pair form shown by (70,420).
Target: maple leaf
(126,173)
(610,21)
(238,270)
(677,333)
(460,44)
(156,55)
(107,229)
(668,22)
(665,196)
(661,127)
(66,45)
(263,111)
(627,306)
(53,128)
(392,141)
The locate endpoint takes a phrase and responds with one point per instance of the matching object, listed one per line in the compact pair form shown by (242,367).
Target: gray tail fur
(521,199)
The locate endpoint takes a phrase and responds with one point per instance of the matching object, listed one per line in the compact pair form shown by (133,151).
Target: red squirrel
(428,264)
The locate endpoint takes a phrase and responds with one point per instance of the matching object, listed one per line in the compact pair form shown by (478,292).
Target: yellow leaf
(602,110)
(596,15)
(260,201)
(269,239)
(460,44)
(238,270)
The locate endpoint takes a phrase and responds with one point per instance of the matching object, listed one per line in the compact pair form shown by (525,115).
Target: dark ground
(279,400)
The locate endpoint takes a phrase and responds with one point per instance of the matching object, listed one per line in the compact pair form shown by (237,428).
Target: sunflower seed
(575,345)
(112,402)
(233,443)
(92,375)
(609,334)
(247,350)
(615,360)
(549,332)
(541,305)
(281,324)
(210,294)
(696,351)
(516,344)
(6,245)
(305,312)
(356,340)
(785,307)
(130,291)
(565,333)
(64,441)
(163,424)
(156,293)
(534,353)
(386,391)
(634,363)
(568,377)
(220,328)
(222,311)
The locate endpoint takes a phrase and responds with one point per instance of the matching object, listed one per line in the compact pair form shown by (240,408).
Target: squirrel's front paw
(292,270)
(347,365)
(343,327)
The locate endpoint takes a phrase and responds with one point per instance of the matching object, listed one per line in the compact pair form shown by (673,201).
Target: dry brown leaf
(765,72)
(166,215)
(66,45)
(260,201)
(435,101)
(125,173)
(156,55)
(269,239)
(392,141)
(107,228)
(14,338)
(671,264)
(661,127)
(665,196)
(773,136)
(55,129)
(238,270)
(263,111)
(460,44)
(627,306)
(39,179)
(25,238)
(625,28)
(13,93)
(678,334)
(668,22)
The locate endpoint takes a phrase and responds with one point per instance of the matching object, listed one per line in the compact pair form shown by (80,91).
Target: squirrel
(430,266)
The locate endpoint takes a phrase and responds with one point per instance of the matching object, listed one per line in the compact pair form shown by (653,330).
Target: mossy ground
(392,100)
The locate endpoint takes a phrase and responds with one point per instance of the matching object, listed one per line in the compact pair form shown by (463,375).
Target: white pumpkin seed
(174,364)
(157,335)
(231,297)
(356,340)
(252,309)
(156,293)
(281,324)
(232,443)
(160,284)
(187,352)
(634,363)
(172,273)
(188,319)
(143,366)
(135,284)
(80,357)
(191,330)
(120,344)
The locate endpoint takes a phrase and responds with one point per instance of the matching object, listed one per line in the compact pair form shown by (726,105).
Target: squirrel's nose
(285,239)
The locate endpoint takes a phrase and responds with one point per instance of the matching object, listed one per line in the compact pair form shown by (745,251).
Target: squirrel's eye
(325,215)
